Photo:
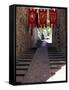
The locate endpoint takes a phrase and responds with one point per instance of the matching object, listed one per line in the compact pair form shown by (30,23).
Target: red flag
(53,16)
(42,18)
(32,18)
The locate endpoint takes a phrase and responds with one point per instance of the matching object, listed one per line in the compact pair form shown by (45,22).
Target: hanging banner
(42,18)
(53,16)
(32,18)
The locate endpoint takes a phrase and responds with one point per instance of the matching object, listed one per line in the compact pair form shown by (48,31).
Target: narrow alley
(40,49)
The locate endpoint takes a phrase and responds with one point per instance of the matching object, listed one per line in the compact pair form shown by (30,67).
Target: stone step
(30,51)
(26,57)
(22,60)
(56,57)
(22,64)
(55,66)
(52,52)
(29,54)
(19,78)
(62,62)
(22,67)
(55,54)
(21,71)
(52,67)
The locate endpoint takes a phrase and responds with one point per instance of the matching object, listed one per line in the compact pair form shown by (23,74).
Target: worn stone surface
(59,35)
(39,70)
(22,30)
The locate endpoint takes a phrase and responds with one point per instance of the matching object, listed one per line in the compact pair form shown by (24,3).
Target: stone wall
(60,30)
(22,31)
(63,29)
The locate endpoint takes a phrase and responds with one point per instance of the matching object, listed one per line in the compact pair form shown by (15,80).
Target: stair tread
(55,66)
(55,54)
(22,64)
(23,60)
(56,58)
(54,61)
(26,57)
(21,71)
(63,62)
(22,67)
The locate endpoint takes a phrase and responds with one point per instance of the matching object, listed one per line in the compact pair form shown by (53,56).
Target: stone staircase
(56,60)
(22,64)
